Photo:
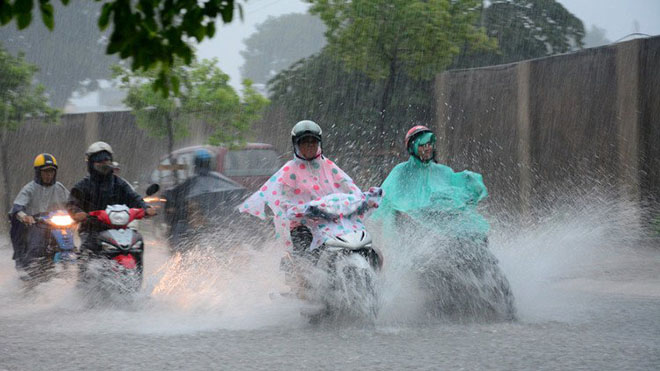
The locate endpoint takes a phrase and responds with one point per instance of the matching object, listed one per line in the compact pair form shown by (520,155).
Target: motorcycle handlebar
(53,221)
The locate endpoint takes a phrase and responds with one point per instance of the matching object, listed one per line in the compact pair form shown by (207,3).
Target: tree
(205,95)
(384,37)
(72,53)
(280,42)
(345,104)
(19,99)
(150,32)
(526,29)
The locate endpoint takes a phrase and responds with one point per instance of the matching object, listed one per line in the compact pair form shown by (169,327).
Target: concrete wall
(541,129)
(137,152)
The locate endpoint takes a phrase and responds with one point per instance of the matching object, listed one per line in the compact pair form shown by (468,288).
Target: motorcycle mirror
(152,189)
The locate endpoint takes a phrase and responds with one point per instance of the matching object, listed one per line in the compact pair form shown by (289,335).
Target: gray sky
(228,41)
(617,17)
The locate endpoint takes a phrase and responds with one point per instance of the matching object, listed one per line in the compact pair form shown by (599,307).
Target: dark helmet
(304,129)
(44,161)
(202,161)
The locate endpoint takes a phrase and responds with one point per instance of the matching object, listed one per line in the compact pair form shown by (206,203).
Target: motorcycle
(54,231)
(460,274)
(118,262)
(339,276)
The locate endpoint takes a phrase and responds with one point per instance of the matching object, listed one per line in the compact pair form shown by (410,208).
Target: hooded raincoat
(29,242)
(434,196)
(300,183)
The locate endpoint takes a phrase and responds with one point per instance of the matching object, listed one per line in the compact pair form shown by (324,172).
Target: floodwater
(587,294)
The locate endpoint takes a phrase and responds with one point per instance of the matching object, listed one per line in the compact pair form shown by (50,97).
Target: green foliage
(526,29)
(655,225)
(152,33)
(280,42)
(378,37)
(205,95)
(319,87)
(244,115)
(19,98)
(346,105)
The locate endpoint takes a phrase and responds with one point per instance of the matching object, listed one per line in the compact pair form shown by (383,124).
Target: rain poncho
(434,196)
(300,184)
(29,242)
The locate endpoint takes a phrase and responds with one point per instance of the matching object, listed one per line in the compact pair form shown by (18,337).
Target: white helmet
(304,129)
(97,147)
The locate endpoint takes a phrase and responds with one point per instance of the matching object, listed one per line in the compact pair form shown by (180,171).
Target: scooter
(339,277)
(57,251)
(118,262)
(60,244)
(460,275)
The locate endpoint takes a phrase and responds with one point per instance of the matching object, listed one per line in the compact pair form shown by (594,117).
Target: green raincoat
(434,197)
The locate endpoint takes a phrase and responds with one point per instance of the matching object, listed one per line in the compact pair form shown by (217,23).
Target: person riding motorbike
(43,194)
(433,211)
(307,177)
(432,194)
(193,204)
(98,190)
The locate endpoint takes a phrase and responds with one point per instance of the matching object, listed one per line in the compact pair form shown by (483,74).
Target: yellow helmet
(44,161)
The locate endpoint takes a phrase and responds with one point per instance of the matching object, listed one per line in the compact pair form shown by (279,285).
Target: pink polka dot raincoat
(300,184)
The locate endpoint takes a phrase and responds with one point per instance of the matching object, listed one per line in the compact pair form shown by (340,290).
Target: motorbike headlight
(107,247)
(138,245)
(61,220)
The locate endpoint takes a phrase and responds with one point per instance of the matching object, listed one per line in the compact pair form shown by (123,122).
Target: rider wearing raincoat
(43,194)
(428,202)
(432,195)
(305,179)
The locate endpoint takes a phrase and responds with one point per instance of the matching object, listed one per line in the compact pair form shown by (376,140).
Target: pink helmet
(414,132)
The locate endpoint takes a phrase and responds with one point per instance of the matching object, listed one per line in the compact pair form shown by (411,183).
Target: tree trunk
(170,148)
(384,106)
(387,95)
(5,169)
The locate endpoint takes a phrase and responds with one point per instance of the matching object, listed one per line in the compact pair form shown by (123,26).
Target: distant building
(105,99)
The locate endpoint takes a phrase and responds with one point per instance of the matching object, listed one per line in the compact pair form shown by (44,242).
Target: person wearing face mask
(432,194)
(43,194)
(100,188)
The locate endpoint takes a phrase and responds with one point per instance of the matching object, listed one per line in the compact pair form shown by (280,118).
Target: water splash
(553,265)
(542,261)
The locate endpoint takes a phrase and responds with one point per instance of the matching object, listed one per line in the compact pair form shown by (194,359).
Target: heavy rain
(363,184)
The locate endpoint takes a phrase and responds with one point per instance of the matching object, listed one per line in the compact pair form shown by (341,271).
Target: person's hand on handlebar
(150,211)
(80,216)
(25,218)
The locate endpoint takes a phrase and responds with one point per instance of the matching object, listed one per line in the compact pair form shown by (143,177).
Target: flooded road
(586,299)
